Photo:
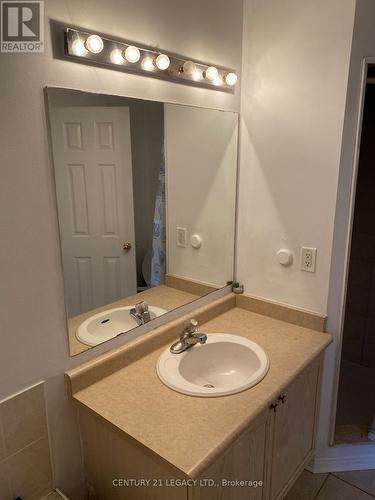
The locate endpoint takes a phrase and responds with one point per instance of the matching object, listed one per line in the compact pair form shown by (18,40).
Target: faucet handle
(141,307)
(191,326)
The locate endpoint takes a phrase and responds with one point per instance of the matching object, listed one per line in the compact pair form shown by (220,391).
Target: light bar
(95,49)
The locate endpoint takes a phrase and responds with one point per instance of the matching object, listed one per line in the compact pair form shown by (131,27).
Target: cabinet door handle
(282,398)
(274,406)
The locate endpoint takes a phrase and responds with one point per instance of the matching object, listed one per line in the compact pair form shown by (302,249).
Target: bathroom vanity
(232,418)
(142,440)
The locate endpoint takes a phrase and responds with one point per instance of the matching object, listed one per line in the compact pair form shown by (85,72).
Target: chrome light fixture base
(151,62)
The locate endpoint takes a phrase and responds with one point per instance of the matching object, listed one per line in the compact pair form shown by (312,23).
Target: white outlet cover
(181,237)
(308,259)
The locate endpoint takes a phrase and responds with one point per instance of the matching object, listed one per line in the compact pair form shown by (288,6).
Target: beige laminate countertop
(189,432)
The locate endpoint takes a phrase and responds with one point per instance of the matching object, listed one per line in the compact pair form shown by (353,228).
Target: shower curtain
(159,232)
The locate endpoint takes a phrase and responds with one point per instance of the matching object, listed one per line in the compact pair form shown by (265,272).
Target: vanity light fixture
(147,63)
(189,68)
(231,79)
(162,61)
(98,50)
(117,56)
(132,54)
(218,81)
(211,73)
(78,47)
(94,44)
(197,75)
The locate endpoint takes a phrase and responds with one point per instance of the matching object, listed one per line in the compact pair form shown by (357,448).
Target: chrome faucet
(140,313)
(188,338)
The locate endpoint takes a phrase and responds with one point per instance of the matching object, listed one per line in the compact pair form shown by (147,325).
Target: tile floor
(354,485)
(355,410)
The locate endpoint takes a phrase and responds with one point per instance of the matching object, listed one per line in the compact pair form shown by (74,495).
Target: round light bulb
(218,80)
(78,47)
(116,56)
(94,44)
(162,61)
(231,79)
(189,67)
(197,75)
(211,73)
(148,64)
(132,54)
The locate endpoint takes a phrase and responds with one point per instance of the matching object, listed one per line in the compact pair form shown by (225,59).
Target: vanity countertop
(190,432)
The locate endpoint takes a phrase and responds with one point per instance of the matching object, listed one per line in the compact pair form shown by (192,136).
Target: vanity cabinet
(260,464)
(291,431)
(274,450)
(244,462)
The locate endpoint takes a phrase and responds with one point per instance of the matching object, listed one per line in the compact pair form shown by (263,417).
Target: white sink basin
(108,324)
(226,364)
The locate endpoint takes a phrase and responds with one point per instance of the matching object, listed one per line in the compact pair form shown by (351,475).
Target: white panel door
(93,172)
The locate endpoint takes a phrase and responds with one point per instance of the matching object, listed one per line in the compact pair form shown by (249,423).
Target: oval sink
(225,364)
(108,324)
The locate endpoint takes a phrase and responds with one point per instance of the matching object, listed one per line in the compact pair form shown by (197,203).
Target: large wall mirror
(146,195)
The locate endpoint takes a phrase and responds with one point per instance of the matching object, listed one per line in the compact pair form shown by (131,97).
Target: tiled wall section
(25,465)
(359,330)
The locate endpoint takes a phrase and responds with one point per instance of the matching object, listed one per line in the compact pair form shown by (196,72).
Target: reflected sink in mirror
(225,364)
(108,324)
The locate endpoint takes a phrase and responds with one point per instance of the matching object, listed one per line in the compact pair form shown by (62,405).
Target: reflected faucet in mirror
(140,313)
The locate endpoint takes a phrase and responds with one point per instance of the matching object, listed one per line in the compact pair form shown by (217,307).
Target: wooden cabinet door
(243,461)
(292,431)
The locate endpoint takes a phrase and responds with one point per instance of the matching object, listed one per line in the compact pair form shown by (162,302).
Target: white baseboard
(345,458)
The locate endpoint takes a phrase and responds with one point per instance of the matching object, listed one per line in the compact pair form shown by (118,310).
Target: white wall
(34,340)
(201,167)
(295,69)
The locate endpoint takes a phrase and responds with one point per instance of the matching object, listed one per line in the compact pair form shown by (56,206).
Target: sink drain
(209,385)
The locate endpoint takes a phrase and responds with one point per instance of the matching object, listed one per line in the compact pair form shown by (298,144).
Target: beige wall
(34,341)
(295,70)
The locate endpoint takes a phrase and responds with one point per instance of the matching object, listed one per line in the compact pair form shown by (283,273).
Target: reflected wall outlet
(181,237)
(308,259)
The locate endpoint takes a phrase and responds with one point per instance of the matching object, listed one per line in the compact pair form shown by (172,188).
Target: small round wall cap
(284,257)
(195,241)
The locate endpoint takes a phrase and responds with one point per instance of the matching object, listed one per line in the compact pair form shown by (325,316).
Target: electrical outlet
(308,259)
(181,237)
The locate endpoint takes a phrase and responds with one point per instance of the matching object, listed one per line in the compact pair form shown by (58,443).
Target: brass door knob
(126,246)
